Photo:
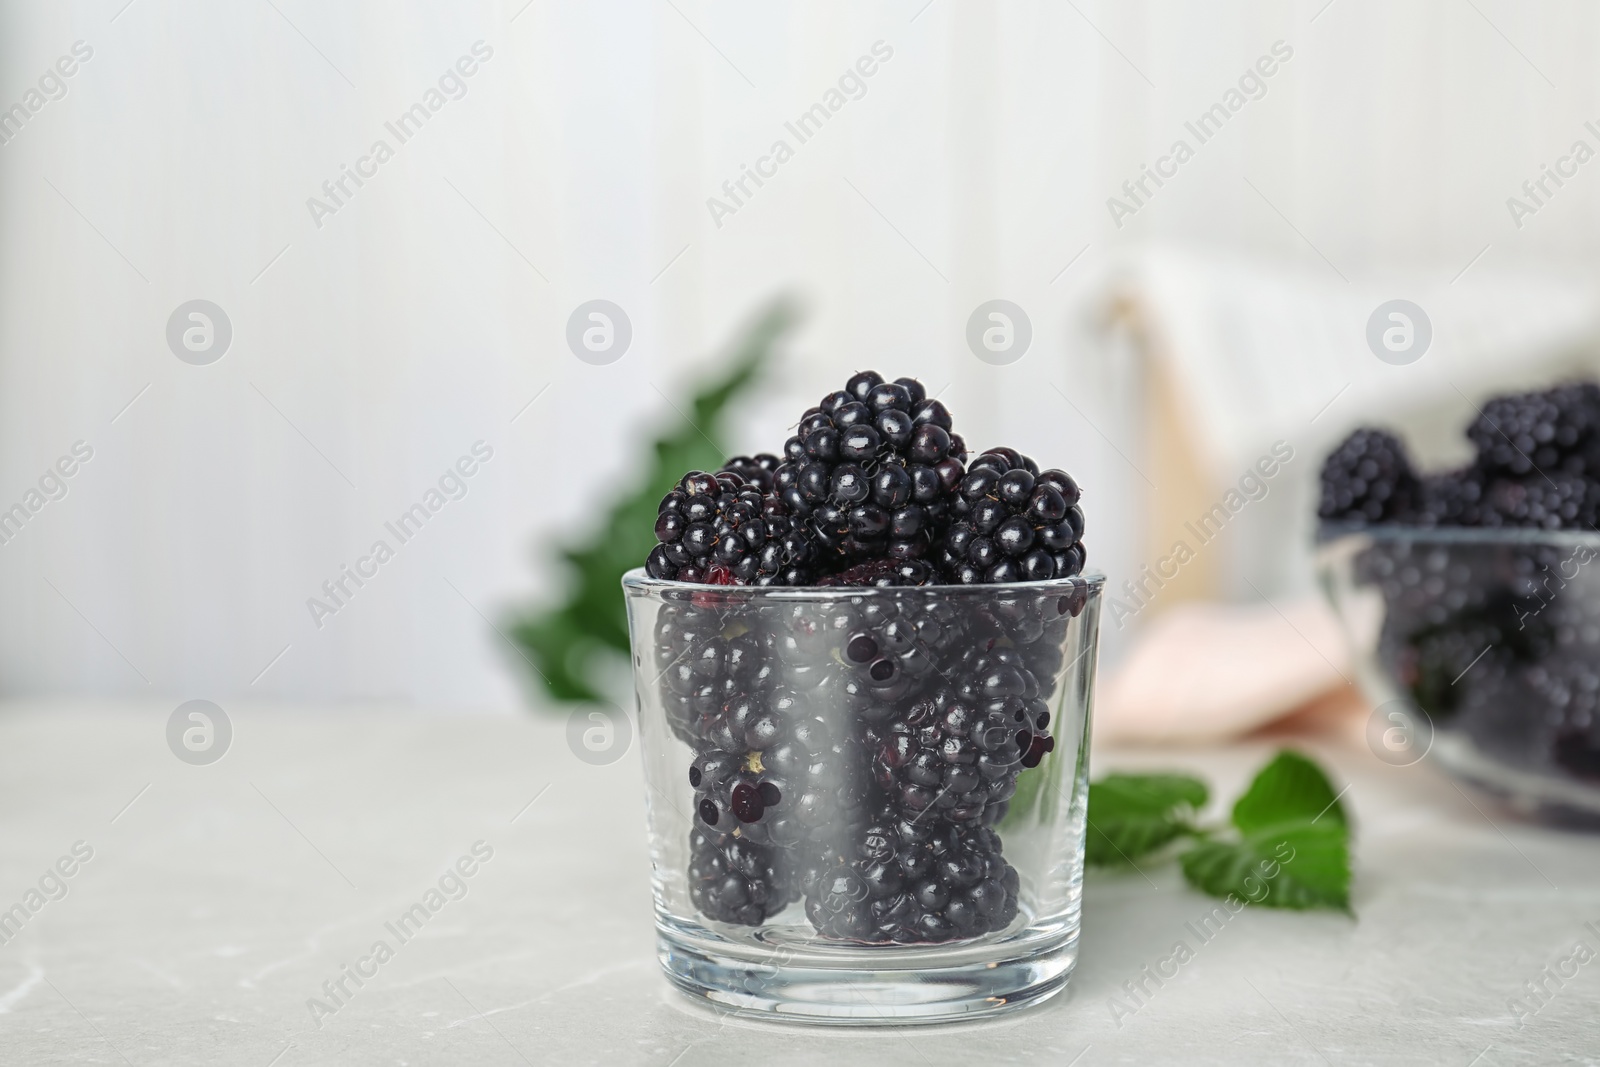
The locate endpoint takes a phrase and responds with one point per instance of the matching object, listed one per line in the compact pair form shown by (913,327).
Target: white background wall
(370,352)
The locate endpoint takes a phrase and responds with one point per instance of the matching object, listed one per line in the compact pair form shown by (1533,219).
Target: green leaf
(1289,789)
(568,644)
(1298,864)
(1132,815)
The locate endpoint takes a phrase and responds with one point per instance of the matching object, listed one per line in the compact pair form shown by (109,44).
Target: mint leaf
(1288,789)
(1296,864)
(1132,815)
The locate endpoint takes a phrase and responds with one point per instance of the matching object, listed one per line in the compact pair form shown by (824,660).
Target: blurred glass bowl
(1480,649)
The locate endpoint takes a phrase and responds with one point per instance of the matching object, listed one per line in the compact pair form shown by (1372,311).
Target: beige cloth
(1204,672)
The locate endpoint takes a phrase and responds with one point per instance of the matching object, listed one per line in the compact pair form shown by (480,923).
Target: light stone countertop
(220,900)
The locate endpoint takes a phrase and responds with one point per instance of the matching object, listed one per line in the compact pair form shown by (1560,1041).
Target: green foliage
(569,641)
(1289,789)
(1292,865)
(1287,845)
(1132,815)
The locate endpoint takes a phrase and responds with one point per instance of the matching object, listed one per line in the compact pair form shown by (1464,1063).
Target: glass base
(854,985)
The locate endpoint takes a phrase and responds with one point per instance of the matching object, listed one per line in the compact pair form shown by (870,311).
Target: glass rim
(1331,537)
(637,583)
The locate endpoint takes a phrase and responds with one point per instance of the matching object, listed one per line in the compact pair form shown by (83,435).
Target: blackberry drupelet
(734,880)
(1013,523)
(1368,479)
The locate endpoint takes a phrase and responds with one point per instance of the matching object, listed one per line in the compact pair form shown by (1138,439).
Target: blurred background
(1186,310)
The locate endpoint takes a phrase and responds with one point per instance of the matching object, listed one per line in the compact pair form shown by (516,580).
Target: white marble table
(220,901)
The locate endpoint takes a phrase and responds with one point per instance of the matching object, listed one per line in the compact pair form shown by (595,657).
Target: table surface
(219,899)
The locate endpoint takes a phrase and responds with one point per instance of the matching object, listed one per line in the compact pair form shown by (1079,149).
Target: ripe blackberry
(1367,479)
(767,762)
(716,529)
(959,751)
(700,671)
(870,470)
(909,881)
(1012,523)
(734,880)
(1549,430)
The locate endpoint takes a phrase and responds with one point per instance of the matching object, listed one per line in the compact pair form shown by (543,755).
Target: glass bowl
(1481,649)
(866,805)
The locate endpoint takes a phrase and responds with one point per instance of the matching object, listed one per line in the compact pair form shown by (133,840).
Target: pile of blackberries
(1537,465)
(855,751)
(1495,638)
(873,477)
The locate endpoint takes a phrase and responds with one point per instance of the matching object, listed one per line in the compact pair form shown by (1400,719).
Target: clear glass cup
(1480,651)
(866,805)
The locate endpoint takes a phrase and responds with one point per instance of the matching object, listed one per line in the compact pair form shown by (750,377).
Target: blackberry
(700,671)
(1550,430)
(1013,523)
(733,690)
(904,880)
(1368,479)
(959,751)
(719,530)
(768,765)
(870,470)
(734,880)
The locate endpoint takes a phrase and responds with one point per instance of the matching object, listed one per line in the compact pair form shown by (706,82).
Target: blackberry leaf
(1132,815)
(1289,789)
(1297,864)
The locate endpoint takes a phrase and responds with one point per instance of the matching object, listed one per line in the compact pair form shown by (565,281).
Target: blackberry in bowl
(1470,602)
(864,673)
